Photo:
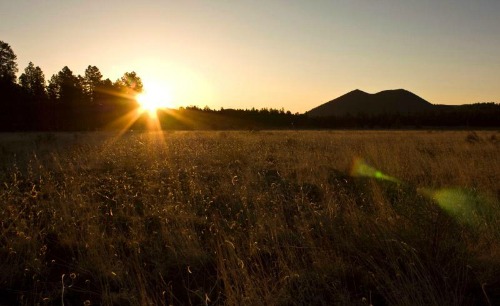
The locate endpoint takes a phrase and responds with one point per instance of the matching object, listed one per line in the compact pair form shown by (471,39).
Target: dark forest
(89,102)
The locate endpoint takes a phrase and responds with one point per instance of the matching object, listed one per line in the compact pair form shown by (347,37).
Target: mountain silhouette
(358,101)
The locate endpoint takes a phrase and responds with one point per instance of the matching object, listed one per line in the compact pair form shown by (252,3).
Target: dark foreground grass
(240,218)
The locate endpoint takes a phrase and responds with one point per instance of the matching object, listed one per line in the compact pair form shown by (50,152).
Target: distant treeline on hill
(69,102)
(479,115)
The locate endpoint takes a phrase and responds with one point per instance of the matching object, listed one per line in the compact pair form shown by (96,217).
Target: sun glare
(154,98)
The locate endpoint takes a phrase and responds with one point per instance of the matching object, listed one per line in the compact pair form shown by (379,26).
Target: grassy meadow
(250,218)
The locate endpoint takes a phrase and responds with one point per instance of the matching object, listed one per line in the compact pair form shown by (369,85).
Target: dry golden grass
(250,218)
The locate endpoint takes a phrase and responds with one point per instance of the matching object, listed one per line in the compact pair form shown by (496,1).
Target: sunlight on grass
(158,218)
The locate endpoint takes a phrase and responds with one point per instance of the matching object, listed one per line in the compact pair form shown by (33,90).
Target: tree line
(90,102)
(66,101)
(479,115)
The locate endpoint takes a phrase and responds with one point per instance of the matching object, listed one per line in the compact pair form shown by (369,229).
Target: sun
(153,98)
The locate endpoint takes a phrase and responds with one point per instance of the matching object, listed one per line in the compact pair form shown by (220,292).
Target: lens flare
(361,168)
(464,205)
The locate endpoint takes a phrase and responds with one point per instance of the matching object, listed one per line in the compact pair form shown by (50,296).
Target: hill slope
(357,101)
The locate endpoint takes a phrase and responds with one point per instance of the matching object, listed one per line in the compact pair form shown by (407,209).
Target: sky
(289,54)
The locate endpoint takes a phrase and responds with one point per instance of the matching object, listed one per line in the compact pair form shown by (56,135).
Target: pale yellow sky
(291,54)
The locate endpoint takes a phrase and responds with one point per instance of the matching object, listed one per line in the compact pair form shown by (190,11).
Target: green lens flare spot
(464,205)
(360,168)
